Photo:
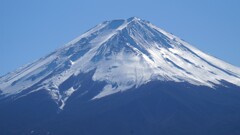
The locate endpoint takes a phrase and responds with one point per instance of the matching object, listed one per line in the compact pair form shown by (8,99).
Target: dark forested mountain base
(157,108)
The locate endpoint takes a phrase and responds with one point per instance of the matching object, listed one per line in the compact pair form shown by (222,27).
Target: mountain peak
(133,19)
(119,24)
(122,54)
(122,77)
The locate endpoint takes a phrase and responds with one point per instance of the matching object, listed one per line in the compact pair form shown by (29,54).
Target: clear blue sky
(30,29)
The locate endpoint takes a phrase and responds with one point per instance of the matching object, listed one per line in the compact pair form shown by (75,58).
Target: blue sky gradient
(30,29)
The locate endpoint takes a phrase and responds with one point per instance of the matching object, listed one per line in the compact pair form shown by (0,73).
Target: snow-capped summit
(122,77)
(123,54)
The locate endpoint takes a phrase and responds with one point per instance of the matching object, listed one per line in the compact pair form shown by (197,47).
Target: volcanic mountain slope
(122,77)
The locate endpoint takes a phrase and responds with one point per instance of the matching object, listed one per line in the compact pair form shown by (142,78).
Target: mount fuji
(122,77)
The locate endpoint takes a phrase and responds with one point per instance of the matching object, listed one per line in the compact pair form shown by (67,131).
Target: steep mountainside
(122,77)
